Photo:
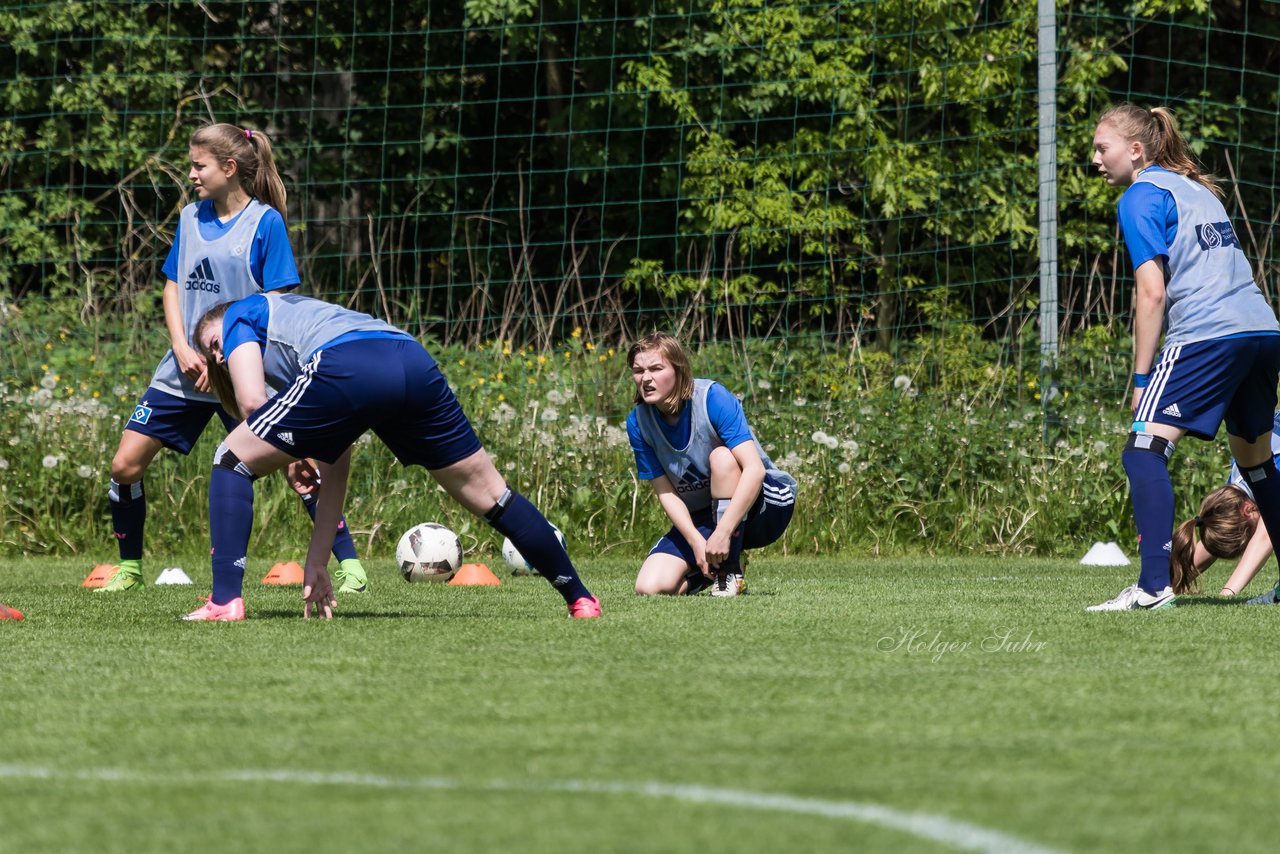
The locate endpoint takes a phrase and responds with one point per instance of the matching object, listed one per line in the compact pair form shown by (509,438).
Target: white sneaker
(1133,598)
(729,584)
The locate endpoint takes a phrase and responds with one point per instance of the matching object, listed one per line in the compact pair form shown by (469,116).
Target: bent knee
(649,589)
(125,469)
(723,462)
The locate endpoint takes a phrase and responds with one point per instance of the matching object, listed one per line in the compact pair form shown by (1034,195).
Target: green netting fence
(853,172)
(835,202)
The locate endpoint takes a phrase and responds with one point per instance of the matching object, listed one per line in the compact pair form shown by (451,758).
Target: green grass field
(886,705)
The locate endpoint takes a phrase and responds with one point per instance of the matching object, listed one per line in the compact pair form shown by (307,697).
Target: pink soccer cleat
(231,612)
(585,608)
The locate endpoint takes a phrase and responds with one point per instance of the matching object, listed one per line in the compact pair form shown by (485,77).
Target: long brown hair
(219,375)
(255,163)
(676,355)
(1223,528)
(1163,143)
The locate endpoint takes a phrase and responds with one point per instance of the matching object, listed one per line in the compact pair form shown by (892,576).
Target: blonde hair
(1224,530)
(676,355)
(255,164)
(1163,143)
(219,375)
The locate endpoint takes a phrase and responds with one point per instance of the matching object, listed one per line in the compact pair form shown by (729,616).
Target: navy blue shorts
(1198,386)
(766,521)
(176,421)
(391,386)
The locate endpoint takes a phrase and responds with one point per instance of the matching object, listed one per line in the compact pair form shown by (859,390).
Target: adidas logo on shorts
(286,437)
(1173,410)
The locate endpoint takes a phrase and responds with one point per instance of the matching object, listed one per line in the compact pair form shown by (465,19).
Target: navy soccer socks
(230,523)
(734,562)
(528,530)
(128,518)
(1146,462)
(1264,482)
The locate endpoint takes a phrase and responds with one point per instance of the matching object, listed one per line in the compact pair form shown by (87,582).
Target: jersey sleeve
(1149,219)
(245,320)
(727,416)
(170,267)
(647,465)
(271,258)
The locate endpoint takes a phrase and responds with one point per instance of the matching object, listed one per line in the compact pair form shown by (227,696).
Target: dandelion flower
(843,468)
(902,382)
(49,461)
(48,381)
(550,414)
(1100,446)
(764,385)
(819,437)
(85,471)
(4,464)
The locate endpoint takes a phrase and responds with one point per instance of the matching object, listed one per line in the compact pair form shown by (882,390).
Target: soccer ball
(515,560)
(429,552)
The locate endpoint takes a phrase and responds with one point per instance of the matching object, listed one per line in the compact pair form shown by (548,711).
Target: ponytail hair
(255,163)
(218,373)
(1224,531)
(1163,143)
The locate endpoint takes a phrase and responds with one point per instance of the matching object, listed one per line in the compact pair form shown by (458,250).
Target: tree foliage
(517,169)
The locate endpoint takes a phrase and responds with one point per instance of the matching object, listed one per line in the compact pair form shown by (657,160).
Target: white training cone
(1104,554)
(173,575)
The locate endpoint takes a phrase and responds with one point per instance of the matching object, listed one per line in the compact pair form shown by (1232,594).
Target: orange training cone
(101,574)
(475,574)
(7,613)
(284,573)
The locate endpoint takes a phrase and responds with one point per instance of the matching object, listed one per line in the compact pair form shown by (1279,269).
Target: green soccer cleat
(351,577)
(124,579)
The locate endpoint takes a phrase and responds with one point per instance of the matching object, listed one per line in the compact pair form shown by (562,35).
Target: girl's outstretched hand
(317,593)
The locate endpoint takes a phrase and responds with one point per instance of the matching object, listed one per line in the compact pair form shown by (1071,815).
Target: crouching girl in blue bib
(342,373)
(720,490)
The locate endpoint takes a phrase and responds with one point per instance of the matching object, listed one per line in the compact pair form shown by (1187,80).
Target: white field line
(947,831)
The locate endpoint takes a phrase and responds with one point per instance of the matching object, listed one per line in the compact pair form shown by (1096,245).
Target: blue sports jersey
(1149,222)
(209,272)
(1210,293)
(289,329)
(724,412)
(270,267)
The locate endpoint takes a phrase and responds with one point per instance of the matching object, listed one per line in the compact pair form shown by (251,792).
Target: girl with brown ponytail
(1226,527)
(230,243)
(1219,361)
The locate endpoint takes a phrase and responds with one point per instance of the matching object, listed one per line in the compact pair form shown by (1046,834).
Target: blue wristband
(1141,380)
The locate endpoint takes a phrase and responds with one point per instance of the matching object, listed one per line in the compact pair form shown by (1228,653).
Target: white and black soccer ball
(516,561)
(429,552)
